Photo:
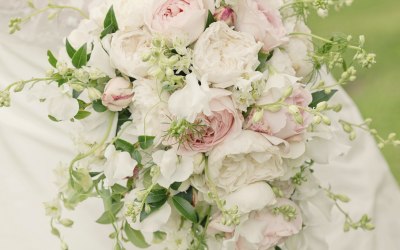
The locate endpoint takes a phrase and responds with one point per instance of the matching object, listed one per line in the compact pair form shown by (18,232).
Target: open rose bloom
(199,122)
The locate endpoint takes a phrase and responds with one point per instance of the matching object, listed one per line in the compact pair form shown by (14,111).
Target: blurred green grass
(377,90)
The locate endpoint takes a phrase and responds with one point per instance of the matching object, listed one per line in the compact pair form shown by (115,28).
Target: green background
(377,90)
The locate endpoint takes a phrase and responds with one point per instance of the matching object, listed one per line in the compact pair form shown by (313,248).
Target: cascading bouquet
(198,121)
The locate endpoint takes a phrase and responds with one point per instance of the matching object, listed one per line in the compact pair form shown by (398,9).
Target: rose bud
(225,14)
(118,94)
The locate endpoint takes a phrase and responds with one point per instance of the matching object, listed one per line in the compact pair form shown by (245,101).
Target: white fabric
(31,146)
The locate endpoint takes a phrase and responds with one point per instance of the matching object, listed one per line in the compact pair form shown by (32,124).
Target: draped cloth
(31,146)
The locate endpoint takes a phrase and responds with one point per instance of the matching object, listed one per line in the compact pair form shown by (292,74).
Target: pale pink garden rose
(226,15)
(178,19)
(281,124)
(262,19)
(265,229)
(118,94)
(211,108)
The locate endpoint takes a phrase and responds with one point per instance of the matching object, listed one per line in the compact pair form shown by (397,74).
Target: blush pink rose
(281,124)
(262,19)
(118,94)
(183,19)
(265,229)
(223,122)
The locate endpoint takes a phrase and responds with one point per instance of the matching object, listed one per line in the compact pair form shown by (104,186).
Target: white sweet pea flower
(225,55)
(173,168)
(118,166)
(195,97)
(254,196)
(61,105)
(100,59)
(245,159)
(154,222)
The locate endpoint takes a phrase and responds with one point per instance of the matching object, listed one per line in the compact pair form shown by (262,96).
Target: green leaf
(82,114)
(109,216)
(176,185)
(157,196)
(52,59)
(137,156)
(53,118)
(135,237)
(262,58)
(185,208)
(124,146)
(210,19)
(145,141)
(80,58)
(321,96)
(119,189)
(82,104)
(98,106)
(70,50)
(277,248)
(110,23)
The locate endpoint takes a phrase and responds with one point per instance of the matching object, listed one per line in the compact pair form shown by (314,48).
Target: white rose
(173,168)
(178,19)
(127,49)
(261,19)
(150,111)
(118,166)
(118,94)
(225,55)
(246,159)
(130,13)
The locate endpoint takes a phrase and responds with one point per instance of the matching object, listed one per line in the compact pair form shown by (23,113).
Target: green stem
(53,6)
(322,39)
(34,80)
(95,148)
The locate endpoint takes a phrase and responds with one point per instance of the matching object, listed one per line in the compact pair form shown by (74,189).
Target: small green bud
(343,198)
(326,120)
(288,92)
(381,145)
(258,116)
(373,131)
(293,109)
(347,127)
(317,120)
(391,136)
(337,108)
(298,118)
(321,106)
(19,87)
(66,222)
(346,227)
(273,108)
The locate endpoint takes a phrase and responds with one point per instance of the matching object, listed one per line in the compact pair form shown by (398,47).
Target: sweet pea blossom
(261,19)
(118,94)
(178,19)
(118,166)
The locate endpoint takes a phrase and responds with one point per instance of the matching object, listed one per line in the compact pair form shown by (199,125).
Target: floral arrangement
(198,121)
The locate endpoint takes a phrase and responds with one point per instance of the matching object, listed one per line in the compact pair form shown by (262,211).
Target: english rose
(212,109)
(265,229)
(225,55)
(281,124)
(118,94)
(261,19)
(178,19)
(127,50)
(245,159)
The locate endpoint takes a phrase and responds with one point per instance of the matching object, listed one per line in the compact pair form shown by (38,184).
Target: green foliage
(146,141)
(185,208)
(70,49)
(110,216)
(321,96)
(80,57)
(210,19)
(110,23)
(98,106)
(82,114)
(135,237)
(52,59)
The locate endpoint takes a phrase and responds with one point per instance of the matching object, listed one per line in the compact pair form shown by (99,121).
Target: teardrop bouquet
(198,122)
